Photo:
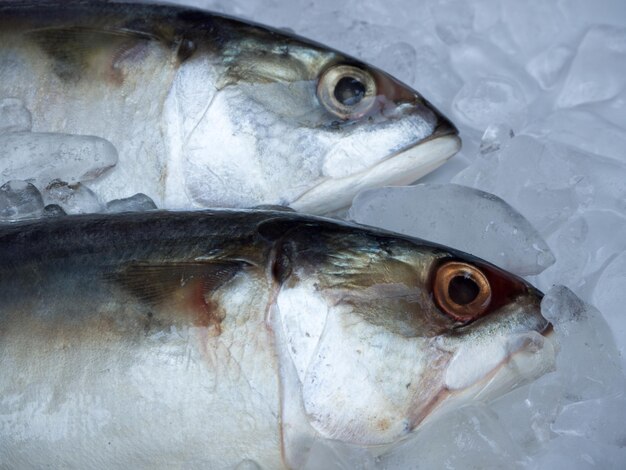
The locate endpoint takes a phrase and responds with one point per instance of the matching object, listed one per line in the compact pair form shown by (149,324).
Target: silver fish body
(210,111)
(202,339)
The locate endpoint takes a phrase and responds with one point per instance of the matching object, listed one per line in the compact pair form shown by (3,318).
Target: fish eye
(347,91)
(461,290)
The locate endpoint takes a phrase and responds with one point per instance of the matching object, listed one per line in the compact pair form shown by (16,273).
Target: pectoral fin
(179,288)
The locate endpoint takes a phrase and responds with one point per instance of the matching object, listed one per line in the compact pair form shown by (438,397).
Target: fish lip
(444,127)
(442,147)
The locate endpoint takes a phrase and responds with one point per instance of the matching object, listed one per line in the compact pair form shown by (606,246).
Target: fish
(206,110)
(214,338)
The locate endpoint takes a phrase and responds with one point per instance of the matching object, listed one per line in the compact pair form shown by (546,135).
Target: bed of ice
(538,90)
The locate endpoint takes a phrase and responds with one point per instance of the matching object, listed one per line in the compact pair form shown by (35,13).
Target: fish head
(386,333)
(294,123)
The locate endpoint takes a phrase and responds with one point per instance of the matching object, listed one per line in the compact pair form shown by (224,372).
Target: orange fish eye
(461,290)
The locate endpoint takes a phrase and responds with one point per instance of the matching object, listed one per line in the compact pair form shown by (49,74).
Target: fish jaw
(485,370)
(404,167)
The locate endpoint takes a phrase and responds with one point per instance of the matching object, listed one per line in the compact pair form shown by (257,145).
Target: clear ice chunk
(479,59)
(460,217)
(334,455)
(495,136)
(614,110)
(470,437)
(588,364)
(72,198)
(588,376)
(600,420)
(434,75)
(487,13)
(53,210)
(19,200)
(137,203)
(14,117)
(547,181)
(609,296)
(583,130)
(533,24)
(43,157)
(453,20)
(583,246)
(528,412)
(399,59)
(549,66)
(598,71)
(485,100)
(572,452)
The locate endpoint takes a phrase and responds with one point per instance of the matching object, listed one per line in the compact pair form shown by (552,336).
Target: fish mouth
(530,355)
(402,167)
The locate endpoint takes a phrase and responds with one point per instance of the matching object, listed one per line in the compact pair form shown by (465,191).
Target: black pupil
(349,91)
(462,290)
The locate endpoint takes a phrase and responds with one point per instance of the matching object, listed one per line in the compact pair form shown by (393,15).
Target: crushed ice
(539,92)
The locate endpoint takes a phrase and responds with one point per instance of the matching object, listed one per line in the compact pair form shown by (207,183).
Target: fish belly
(94,378)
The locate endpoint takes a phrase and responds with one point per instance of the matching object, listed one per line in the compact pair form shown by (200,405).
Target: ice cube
(434,75)
(479,59)
(583,247)
(333,455)
(470,437)
(485,100)
(72,198)
(495,136)
(588,364)
(582,129)
(571,452)
(19,200)
(547,181)
(609,296)
(454,20)
(53,210)
(399,59)
(599,70)
(550,65)
(600,420)
(41,157)
(487,13)
(613,110)
(529,411)
(588,378)
(137,203)
(14,117)
(533,24)
(464,218)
